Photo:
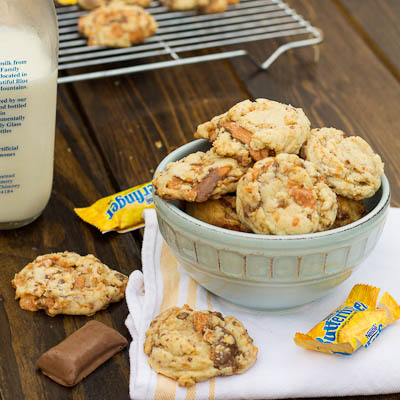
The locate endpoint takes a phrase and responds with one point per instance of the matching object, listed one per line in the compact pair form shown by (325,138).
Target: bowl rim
(172,208)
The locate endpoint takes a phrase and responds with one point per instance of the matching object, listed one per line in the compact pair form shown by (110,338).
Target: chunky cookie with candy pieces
(117,25)
(221,212)
(192,346)
(67,283)
(198,177)
(349,164)
(255,130)
(92,4)
(285,195)
(204,6)
(349,211)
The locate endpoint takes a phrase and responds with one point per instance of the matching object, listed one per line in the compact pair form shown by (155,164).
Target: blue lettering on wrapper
(337,319)
(135,196)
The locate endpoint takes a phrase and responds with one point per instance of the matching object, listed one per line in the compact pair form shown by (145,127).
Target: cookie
(204,6)
(349,164)
(221,212)
(92,4)
(192,346)
(255,130)
(117,25)
(285,195)
(67,283)
(198,177)
(348,211)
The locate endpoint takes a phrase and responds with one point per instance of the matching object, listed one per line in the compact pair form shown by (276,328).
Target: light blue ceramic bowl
(266,272)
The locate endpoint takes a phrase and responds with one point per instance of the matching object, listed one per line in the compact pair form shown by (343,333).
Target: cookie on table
(198,177)
(117,25)
(192,346)
(204,6)
(349,164)
(348,211)
(221,212)
(285,195)
(255,130)
(67,283)
(92,4)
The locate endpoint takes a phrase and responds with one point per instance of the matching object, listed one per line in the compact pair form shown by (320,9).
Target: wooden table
(112,133)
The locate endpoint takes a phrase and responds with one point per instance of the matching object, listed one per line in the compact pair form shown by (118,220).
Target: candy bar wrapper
(67,2)
(357,322)
(121,212)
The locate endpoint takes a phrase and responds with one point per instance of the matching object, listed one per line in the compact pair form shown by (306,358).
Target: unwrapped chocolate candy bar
(81,353)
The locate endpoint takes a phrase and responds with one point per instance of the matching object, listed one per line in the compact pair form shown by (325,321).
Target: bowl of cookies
(266,212)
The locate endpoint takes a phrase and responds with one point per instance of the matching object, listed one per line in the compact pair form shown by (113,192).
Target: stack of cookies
(269,173)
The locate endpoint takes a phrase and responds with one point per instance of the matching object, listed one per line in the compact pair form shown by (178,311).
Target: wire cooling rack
(183,31)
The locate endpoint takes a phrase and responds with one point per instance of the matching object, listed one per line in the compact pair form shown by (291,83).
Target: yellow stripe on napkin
(166,387)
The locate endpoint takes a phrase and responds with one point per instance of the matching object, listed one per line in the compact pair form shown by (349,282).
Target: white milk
(28,86)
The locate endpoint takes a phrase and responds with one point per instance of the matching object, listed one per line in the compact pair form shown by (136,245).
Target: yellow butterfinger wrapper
(121,212)
(67,2)
(357,322)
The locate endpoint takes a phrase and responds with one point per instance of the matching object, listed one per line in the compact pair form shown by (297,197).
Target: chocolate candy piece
(81,353)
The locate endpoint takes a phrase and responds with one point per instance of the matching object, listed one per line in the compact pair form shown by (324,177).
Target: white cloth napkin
(282,370)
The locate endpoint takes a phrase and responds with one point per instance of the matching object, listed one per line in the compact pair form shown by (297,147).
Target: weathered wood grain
(378,23)
(80,178)
(349,88)
(138,119)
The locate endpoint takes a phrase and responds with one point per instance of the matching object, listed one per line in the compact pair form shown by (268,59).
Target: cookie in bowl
(349,211)
(285,195)
(198,177)
(348,163)
(192,346)
(221,212)
(253,130)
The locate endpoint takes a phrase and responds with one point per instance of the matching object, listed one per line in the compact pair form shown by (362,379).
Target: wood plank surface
(80,178)
(138,119)
(349,88)
(378,23)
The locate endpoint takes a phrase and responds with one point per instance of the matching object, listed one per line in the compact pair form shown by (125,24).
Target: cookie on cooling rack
(255,130)
(204,6)
(67,283)
(92,4)
(117,25)
(198,177)
(192,346)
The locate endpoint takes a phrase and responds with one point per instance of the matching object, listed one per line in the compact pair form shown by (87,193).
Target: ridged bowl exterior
(266,272)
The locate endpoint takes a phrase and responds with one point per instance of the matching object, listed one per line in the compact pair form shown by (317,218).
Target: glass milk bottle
(28,89)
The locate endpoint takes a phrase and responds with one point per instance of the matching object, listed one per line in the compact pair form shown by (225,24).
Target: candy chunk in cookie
(192,346)
(117,25)
(255,130)
(67,283)
(198,177)
(221,212)
(349,164)
(285,195)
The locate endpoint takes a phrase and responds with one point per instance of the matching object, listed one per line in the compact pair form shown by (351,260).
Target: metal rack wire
(183,31)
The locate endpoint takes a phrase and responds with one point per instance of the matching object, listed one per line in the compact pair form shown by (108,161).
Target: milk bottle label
(27,123)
